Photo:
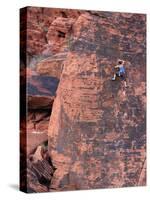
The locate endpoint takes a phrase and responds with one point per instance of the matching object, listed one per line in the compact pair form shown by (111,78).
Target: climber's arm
(123,62)
(116,66)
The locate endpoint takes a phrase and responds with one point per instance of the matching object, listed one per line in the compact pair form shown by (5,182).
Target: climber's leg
(117,74)
(114,78)
(123,78)
(125,84)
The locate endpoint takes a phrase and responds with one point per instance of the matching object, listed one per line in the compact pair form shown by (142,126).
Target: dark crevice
(45,113)
(61,34)
(64,14)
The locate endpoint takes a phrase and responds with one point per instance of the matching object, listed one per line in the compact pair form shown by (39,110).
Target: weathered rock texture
(97,132)
(51,66)
(97,127)
(40,96)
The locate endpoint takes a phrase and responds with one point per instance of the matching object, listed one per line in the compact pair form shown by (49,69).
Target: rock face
(48,30)
(39,170)
(97,131)
(82,130)
(51,66)
(44,47)
(41,91)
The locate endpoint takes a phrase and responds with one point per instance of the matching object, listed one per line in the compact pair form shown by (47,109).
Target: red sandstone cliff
(97,127)
(97,132)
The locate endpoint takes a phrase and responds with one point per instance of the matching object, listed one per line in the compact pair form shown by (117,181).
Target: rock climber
(120,72)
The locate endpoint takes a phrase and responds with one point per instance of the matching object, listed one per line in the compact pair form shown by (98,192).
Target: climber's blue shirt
(121,69)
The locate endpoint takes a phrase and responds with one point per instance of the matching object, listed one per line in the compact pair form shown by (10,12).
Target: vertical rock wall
(97,131)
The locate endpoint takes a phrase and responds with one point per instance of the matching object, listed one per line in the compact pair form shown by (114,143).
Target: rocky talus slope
(96,127)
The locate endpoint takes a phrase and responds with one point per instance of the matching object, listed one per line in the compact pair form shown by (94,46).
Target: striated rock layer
(41,91)
(97,131)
